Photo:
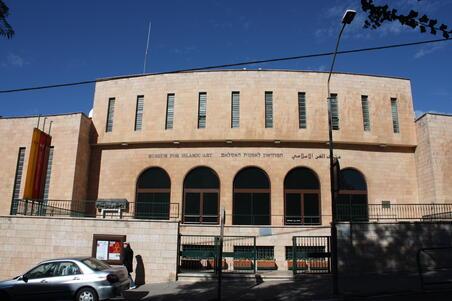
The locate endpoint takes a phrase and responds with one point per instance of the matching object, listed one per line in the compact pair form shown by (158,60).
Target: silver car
(79,278)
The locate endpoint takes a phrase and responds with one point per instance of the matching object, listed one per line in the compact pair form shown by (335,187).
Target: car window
(44,270)
(67,269)
(95,265)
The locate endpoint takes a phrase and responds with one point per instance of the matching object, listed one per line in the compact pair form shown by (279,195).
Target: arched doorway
(251,200)
(201,196)
(153,194)
(352,196)
(301,197)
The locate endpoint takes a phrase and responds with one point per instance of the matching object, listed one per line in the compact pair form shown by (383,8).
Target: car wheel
(86,294)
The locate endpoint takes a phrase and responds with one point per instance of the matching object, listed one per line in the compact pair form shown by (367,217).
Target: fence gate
(198,254)
(310,254)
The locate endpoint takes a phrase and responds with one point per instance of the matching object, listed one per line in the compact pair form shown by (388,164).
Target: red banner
(41,165)
(37,165)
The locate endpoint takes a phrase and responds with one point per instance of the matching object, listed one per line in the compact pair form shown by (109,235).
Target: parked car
(79,278)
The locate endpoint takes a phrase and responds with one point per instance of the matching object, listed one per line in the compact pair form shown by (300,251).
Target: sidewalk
(313,287)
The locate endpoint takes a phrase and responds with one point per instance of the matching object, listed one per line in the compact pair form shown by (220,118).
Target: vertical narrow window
(48,174)
(19,171)
(202,108)
(110,114)
(302,110)
(235,110)
(365,107)
(334,112)
(18,179)
(395,115)
(268,109)
(169,111)
(139,113)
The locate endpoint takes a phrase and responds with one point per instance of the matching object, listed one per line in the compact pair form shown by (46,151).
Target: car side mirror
(24,278)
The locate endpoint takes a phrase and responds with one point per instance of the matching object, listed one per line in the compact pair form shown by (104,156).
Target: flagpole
(147,48)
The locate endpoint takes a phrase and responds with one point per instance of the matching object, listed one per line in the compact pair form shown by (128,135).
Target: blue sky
(65,41)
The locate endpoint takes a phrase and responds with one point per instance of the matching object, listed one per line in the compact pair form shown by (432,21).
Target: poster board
(108,248)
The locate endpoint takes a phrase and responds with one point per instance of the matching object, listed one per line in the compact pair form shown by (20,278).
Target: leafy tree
(378,14)
(5,28)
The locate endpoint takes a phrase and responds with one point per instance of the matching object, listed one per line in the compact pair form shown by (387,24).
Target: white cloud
(418,113)
(321,68)
(441,92)
(14,60)
(426,50)
(184,50)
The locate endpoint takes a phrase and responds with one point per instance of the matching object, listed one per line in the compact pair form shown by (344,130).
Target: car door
(67,279)
(35,283)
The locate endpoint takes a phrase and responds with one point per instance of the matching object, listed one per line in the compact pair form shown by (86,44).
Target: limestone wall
(71,153)
(29,240)
(434,158)
(387,253)
(252,85)
(389,175)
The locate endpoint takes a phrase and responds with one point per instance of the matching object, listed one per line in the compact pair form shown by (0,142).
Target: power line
(227,65)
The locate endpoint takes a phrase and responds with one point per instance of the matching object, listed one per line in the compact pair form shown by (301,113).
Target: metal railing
(137,210)
(394,212)
(309,254)
(169,211)
(199,253)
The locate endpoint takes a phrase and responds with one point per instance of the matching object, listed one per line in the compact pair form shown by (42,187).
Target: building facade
(182,146)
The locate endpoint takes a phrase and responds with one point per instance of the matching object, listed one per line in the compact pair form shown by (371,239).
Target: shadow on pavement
(306,288)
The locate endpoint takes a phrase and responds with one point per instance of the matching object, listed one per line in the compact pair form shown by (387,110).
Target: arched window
(301,197)
(201,196)
(251,201)
(352,197)
(153,194)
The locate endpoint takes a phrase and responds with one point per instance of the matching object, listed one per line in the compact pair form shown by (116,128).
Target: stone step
(194,277)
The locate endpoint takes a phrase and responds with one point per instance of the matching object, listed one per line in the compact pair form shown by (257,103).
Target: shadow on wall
(377,258)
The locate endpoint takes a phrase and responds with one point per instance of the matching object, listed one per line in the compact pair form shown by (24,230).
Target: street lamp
(348,17)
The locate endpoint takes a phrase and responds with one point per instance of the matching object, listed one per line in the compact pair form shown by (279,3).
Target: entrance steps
(228,276)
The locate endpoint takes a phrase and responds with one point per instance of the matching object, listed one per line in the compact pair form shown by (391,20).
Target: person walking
(139,271)
(128,262)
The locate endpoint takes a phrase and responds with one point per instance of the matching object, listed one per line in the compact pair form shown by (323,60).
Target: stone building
(179,147)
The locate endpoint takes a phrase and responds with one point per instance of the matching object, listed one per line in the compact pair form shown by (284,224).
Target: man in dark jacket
(128,262)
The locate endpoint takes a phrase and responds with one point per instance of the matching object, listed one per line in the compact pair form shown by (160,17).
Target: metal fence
(138,210)
(394,212)
(309,254)
(166,211)
(199,253)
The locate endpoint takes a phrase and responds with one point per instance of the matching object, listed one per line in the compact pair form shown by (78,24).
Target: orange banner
(37,165)
(31,168)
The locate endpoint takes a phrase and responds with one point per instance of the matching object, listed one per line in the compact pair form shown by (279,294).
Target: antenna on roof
(44,126)
(147,48)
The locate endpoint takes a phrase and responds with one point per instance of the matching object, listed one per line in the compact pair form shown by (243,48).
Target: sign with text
(240,155)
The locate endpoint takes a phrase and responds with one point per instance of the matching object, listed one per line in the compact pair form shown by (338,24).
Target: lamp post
(348,17)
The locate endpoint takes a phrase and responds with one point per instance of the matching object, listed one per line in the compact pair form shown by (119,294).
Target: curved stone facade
(252,85)
(126,152)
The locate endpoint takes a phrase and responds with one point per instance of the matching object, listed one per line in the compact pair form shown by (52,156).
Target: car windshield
(95,265)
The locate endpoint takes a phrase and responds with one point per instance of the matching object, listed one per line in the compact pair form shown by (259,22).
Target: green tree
(6,29)
(378,14)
